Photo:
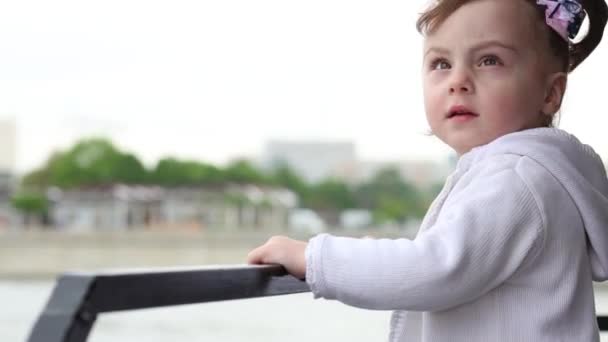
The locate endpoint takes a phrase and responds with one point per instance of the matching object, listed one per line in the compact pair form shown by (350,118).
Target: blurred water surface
(296,318)
(291,317)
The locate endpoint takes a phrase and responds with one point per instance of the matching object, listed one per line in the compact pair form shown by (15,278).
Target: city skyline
(214,81)
(9,154)
(314,161)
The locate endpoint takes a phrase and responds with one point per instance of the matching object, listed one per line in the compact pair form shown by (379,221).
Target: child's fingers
(261,255)
(269,253)
(256,256)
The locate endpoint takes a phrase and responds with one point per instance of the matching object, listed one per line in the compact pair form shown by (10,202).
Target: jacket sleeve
(482,236)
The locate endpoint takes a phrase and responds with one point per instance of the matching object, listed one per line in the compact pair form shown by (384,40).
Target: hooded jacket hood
(579,170)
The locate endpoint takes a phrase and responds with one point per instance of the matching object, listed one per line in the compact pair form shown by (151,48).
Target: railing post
(66,317)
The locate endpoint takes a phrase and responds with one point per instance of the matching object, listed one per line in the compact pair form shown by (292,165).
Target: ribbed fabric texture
(502,254)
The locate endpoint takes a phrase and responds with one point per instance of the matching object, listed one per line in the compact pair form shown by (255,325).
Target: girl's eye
(440,64)
(490,61)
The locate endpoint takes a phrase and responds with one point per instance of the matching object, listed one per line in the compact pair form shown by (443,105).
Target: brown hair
(570,54)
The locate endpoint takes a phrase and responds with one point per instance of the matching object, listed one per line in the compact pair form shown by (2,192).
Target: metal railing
(79,297)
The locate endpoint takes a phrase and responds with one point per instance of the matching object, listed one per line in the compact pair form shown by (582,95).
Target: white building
(316,161)
(122,206)
(8,137)
(7,169)
(313,161)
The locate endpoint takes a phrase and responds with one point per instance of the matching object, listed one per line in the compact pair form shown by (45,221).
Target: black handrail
(79,297)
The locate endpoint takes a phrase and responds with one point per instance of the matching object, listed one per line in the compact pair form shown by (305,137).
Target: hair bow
(564,16)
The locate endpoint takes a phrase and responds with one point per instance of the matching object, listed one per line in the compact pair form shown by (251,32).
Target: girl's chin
(462,149)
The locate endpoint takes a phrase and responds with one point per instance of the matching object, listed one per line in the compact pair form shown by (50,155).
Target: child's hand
(283,251)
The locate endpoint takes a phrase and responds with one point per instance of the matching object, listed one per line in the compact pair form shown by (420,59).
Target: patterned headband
(564,16)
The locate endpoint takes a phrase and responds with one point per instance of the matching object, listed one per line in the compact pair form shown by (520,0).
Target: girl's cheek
(432,86)
(507,103)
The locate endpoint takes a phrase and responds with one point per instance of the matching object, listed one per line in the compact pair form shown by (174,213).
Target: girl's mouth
(461,113)
(463,117)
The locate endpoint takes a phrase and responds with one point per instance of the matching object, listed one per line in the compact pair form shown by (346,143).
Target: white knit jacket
(506,252)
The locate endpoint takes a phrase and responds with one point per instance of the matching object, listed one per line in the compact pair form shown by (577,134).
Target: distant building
(313,161)
(8,137)
(119,207)
(7,171)
(112,207)
(7,212)
(6,184)
(316,161)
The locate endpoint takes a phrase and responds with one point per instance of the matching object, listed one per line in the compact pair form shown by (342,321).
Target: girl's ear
(556,87)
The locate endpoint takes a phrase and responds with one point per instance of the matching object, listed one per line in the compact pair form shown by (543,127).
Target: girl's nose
(461,82)
(462,88)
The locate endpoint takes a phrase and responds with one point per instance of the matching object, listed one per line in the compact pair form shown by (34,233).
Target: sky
(215,80)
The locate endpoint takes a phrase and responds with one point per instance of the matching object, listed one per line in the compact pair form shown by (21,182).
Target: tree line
(96,161)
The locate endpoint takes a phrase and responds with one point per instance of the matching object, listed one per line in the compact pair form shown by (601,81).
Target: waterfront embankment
(46,254)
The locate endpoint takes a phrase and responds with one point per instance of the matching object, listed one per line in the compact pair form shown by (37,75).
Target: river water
(297,318)
(292,317)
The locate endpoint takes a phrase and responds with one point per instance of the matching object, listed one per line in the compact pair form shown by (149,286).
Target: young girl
(510,247)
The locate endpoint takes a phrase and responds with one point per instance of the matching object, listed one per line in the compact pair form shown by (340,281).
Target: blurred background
(155,133)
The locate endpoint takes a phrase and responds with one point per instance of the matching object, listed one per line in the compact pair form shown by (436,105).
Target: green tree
(171,172)
(128,169)
(31,205)
(282,175)
(390,197)
(89,162)
(241,171)
(97,161)
(330,194)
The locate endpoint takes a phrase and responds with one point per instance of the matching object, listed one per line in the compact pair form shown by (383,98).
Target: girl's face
(485,73)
